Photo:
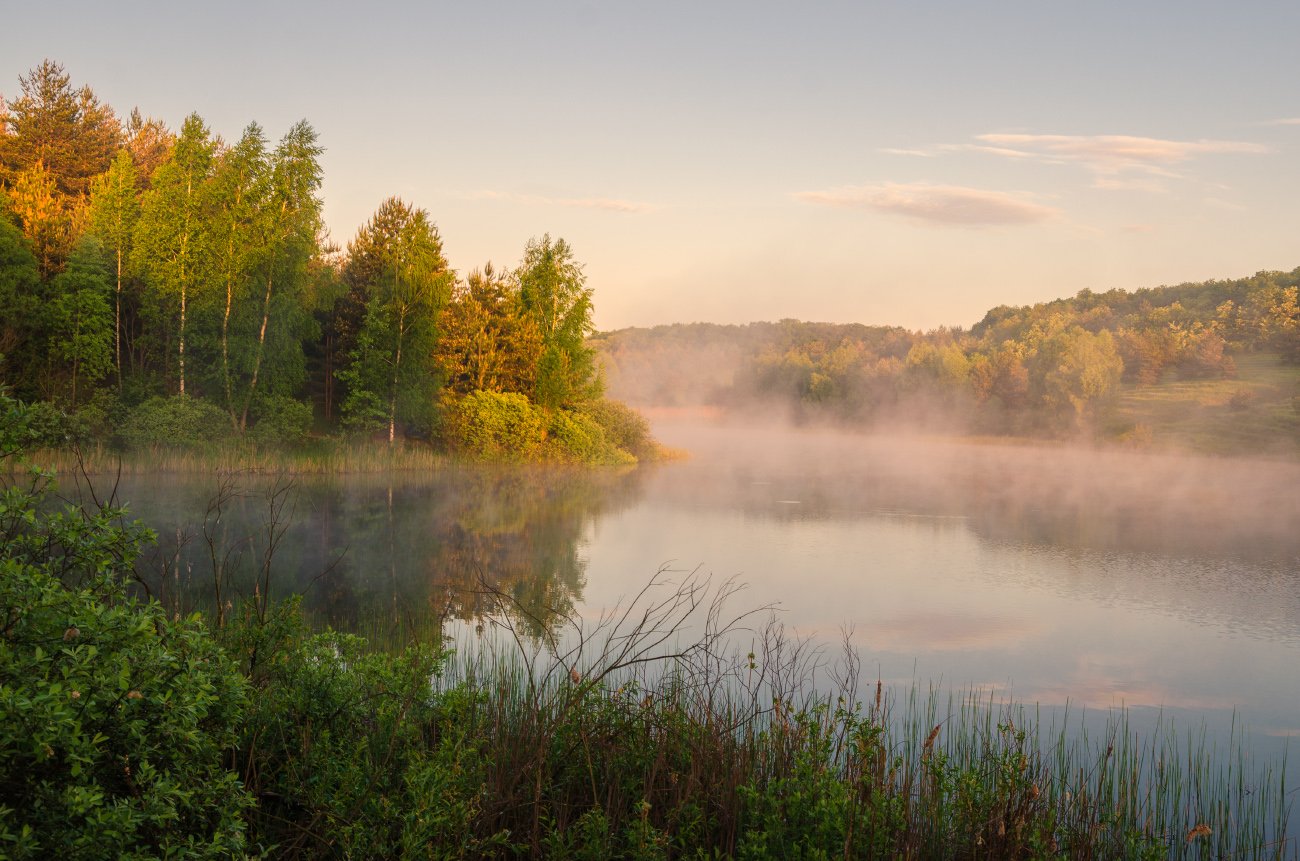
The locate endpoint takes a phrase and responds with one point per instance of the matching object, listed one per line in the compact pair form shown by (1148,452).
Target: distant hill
(1123,365)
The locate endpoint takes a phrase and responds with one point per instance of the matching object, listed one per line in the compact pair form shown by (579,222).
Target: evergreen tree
(66,129)
(486,342)
(19,297)
(81,320)
(35,201)
(148,141)
(397,273)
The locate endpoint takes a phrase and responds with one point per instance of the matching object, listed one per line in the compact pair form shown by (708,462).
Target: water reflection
(1103,578)
(369,553)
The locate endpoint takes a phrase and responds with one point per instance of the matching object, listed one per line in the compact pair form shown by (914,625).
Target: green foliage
(335,741)
(496,426)
(576,437)
(114,720)
(399,283)
(280,421)
(81,319)
(624,427)
(180,420)
(20,297)
(1074,373)
(553,292)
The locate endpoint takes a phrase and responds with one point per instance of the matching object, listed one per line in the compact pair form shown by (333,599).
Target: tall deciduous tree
(288,227)
(172,242)
(237,196)
(397,273)
(114,210)
(1074,372)
(554,293)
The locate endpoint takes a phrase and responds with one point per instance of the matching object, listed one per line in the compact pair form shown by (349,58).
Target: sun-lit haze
(887,163)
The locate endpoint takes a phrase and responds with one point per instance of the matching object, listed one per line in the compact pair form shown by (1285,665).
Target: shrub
(113,724)
(280,421)
(497,426)
(624,427)
(46,426)
(176,421)
(576,438)
(114,720)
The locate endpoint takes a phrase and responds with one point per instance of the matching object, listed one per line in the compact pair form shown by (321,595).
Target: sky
(903,163)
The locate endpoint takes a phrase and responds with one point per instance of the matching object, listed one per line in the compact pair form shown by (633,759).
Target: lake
(1169,585)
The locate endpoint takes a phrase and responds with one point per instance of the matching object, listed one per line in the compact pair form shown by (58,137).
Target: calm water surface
(1046,574)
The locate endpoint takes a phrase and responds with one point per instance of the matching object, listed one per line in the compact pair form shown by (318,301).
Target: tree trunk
(257,360)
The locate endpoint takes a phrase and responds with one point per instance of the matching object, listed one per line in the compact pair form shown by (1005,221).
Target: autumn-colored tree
(486,342)
(34,199)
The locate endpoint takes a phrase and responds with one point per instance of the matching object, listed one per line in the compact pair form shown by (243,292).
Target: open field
(1253,414)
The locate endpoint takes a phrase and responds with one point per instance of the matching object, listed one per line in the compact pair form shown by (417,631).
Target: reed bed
(320,458)
(613,743)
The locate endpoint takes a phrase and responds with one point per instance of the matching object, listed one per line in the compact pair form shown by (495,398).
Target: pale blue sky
(911,163)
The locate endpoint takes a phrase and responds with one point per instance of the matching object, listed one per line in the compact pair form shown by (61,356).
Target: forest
(164,287)
(167,287)
(1054,369)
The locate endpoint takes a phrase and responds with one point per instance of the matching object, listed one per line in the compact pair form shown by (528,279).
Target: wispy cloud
(1285,121)
(917,153)
(1108,155)
(607,204)
(1117,162)
(937,204)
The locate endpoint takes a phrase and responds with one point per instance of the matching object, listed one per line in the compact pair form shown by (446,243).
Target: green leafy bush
(114,720)
(342,746)
(624,427)
(497,426)
(577,438)
(280,421)
(176,421)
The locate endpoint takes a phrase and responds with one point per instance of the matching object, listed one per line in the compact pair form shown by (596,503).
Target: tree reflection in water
(388,556)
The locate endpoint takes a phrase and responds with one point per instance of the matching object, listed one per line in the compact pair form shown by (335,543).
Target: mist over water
(1045,573)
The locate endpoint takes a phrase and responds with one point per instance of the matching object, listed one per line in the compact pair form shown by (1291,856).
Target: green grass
(1254,414)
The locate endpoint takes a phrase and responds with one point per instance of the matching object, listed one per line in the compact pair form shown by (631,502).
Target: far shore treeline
(163,287)
(1057,368)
